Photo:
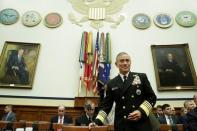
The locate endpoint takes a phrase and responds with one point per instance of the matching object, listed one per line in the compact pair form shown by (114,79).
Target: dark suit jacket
(162,120)
(157,116)
(128,97)
(22,74)
(83,120)
(11,117)
(192,120)
(67,120)
(183,120)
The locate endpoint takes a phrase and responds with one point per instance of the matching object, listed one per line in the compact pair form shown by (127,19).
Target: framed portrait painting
(174,68)
(18,64)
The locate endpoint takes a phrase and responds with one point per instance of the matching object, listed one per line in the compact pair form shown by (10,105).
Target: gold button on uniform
(123,97)
(133,106)
(132,96)
(125,117)
(123,107)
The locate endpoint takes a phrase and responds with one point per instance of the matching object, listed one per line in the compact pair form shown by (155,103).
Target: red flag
(88,62)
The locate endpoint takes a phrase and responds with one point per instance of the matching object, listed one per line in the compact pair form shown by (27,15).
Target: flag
(104,64)
(88,62)
(102,48)
(81,61)
(95,65)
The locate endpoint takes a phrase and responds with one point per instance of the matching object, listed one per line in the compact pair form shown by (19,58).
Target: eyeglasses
(60,110)
(90,109)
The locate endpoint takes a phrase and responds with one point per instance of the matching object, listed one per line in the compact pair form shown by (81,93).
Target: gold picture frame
(18,64)
(174,68)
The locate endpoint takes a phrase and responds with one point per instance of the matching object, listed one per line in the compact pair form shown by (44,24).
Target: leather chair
(41,125)
(180,127)
(165,127)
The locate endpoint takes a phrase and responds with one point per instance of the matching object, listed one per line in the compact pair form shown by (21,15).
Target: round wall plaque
(53,20)
(186,19)
(141,21)
(9,16)
(31,18)
(163,20)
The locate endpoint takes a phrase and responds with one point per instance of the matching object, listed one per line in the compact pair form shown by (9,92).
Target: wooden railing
(177,127)
(43,125)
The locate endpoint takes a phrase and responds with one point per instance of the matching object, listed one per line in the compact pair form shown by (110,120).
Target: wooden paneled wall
(44,113)
(41,113)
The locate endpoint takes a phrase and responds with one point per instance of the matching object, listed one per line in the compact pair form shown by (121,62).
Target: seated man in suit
(168,118)
(9,115)
(192,120)
(159,111)
(89,115)
(189,105)
(61,118)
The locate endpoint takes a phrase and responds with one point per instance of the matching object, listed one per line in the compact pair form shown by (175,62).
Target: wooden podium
(79,101)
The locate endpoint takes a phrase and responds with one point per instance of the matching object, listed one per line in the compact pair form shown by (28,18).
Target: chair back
(41,125)
(165,127)
(177,127)
(180,127)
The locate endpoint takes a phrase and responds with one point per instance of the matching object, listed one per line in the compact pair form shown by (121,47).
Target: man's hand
(135,115)
(92,125)
(184,74)
(15,67)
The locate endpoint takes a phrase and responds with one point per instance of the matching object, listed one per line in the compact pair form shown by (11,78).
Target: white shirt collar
(122,76)
(167,119)
(62,119)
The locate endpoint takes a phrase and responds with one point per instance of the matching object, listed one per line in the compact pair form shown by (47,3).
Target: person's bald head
(61,110)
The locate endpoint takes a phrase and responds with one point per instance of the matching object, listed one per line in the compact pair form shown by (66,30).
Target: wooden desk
(83,128)
(57,126)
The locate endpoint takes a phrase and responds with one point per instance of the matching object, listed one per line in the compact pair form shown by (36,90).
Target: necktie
(61,120)
(170,119)
(124,81)
(125,78)
(90,120)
